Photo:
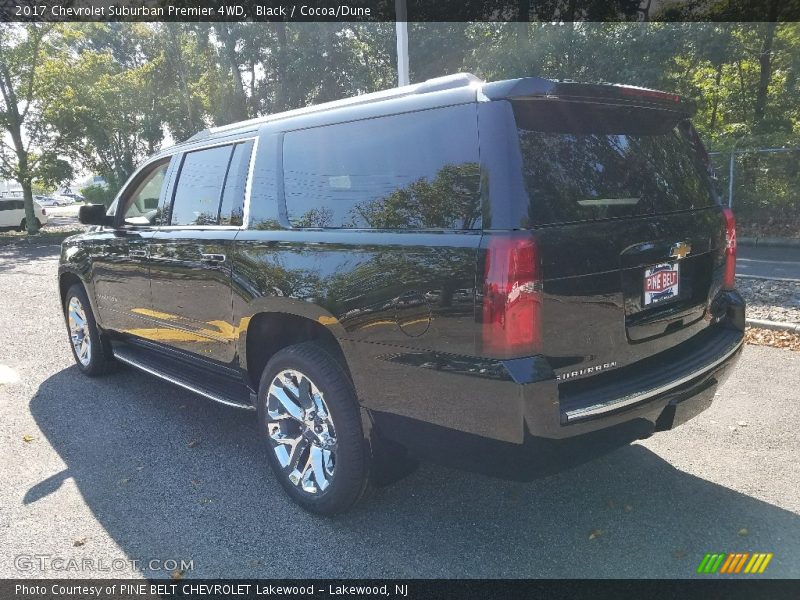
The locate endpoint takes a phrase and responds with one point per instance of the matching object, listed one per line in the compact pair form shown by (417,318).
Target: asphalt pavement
(126,467)
(769,262)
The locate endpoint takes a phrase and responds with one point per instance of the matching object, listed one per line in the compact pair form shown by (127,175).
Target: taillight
(729,278)
(512,296)
(44,212)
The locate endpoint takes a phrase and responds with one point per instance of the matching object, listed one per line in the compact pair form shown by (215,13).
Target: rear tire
(24,223)
(92,352)
(310,417)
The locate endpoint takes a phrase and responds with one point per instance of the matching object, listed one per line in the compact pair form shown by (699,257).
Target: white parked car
(47,201)
(67,199)
(12,213)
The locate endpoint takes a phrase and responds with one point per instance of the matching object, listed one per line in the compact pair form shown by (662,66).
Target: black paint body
(404,305)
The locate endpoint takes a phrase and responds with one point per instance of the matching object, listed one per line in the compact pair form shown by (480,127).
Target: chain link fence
(763,188)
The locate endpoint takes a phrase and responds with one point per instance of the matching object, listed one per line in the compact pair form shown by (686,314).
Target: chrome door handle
(138,253)
(214,258)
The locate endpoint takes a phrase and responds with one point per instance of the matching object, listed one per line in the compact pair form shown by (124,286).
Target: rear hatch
(628,229)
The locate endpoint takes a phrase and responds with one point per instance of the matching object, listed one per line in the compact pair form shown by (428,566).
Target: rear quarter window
(409,171)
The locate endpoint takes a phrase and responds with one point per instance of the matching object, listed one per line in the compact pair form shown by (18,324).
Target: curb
(773,325)
(774,242)
(765,278)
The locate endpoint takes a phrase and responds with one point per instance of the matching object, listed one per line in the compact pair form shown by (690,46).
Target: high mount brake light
(729,277)
(512,296)
(645,93)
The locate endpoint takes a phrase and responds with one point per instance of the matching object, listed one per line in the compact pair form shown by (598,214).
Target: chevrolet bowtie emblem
(680,250)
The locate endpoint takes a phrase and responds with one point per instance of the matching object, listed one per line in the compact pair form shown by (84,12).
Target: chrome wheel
(301,431)
(79,331)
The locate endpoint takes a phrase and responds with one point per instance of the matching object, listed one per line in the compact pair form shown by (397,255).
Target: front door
(120,253)
(190,254)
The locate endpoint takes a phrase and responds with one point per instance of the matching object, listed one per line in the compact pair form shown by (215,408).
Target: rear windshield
(586,162)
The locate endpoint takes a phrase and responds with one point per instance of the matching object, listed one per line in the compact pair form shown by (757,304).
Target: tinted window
(232,208)
(141,206)
(200,181)
(416,170)
(582,163)
(12,204)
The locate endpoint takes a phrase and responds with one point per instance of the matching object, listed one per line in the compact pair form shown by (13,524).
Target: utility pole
(401,23)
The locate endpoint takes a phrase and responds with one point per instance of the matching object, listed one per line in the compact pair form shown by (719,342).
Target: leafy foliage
(97,194)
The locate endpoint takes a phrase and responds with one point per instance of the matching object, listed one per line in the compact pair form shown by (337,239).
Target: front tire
(91,351)
(310,417)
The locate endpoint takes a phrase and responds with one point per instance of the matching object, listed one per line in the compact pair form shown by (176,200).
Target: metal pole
(730,180)
(401,16)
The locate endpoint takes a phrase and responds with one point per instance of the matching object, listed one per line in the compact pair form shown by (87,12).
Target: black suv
(453,263)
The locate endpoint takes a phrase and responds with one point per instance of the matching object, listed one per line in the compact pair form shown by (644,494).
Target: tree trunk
(765,74)
(180,69)
(523,17)
(715,105)
(24,178)
(31,222)
(281,97)
(239,109)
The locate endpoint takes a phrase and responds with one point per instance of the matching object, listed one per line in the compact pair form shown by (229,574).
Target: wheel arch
(66,279)
(268,331)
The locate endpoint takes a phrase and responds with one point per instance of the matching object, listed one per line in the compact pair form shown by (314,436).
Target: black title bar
(385,10)
(413,589)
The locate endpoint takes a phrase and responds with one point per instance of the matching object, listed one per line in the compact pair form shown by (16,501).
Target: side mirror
(94,214)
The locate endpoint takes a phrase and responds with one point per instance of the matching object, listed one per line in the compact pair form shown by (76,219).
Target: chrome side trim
(186,386)
(599,409)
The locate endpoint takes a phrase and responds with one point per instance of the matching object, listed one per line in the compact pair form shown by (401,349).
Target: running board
(217,388)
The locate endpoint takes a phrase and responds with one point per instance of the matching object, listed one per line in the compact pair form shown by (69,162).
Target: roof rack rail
(447,82)
(202,134)
(457,80)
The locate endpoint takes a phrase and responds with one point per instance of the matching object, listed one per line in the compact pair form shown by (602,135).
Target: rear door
(628,226)
(190,254)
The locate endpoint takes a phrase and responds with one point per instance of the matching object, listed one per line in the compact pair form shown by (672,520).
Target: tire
(23,224)
(90,349)
(323,460)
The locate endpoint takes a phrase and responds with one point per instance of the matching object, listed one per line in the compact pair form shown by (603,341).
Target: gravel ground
(107,469)
(771,300)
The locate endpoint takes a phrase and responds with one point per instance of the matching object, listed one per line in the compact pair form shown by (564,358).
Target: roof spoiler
(606,93)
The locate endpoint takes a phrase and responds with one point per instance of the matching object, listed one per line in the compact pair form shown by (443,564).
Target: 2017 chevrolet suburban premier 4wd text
(451,262)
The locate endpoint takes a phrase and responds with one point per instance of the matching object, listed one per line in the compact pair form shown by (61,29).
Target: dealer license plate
(661,283)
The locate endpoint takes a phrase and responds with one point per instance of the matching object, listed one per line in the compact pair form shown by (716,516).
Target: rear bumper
(544,444)
(422,399)
(686,375)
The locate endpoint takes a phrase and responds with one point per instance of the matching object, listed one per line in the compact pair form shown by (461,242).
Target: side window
(210,188)
(141,206)
(200,181)
(231,211)
(411,171)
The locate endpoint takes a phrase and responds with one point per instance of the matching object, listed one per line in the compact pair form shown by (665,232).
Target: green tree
(105,107)
(31,157)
